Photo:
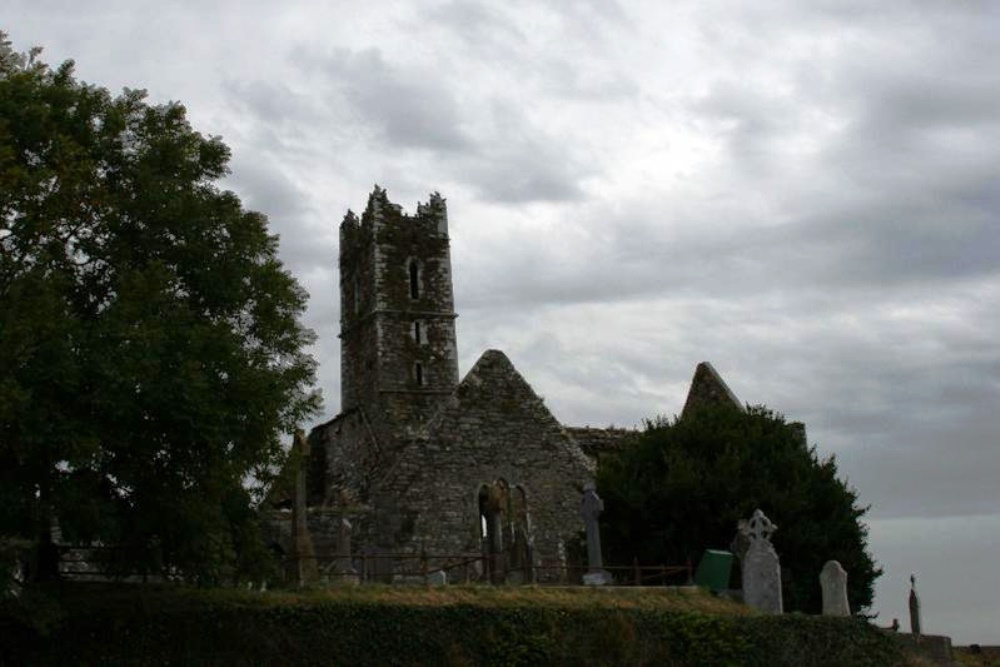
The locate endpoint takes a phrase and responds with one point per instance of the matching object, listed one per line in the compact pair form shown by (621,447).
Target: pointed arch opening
(494,506)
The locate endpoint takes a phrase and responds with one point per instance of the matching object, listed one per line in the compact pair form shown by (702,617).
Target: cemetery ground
(405,625)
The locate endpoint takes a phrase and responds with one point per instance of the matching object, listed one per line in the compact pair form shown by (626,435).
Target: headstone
(344,546)
(914,607)
(437,578)
(833,581)
(761,567)
(590,511)
(602,578)
(343,565)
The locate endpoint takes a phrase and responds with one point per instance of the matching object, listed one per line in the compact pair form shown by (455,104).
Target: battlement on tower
(381,217)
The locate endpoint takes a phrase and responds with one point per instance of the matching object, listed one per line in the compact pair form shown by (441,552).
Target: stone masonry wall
(494,427)
(398,350)
(345,456)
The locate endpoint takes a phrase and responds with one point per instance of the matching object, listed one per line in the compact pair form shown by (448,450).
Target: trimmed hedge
(143,626)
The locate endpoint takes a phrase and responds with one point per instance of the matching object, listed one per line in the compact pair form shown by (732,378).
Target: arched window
(414,269)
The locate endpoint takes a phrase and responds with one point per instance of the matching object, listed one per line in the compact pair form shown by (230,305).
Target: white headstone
(833,581)
(437,578)
(761,568)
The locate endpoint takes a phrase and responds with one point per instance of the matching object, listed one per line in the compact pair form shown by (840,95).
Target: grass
(679,599)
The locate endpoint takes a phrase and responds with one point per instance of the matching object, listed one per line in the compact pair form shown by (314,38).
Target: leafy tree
(682,486)
(151,349)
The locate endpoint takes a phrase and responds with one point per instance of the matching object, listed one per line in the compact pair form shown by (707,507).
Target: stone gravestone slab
(761,567)
(591,510)
(833,581)
(343,566)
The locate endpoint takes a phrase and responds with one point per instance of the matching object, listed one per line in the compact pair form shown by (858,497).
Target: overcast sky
(804,194)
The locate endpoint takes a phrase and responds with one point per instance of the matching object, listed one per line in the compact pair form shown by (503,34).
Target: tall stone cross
(303,558)
(590,511)
(914,607)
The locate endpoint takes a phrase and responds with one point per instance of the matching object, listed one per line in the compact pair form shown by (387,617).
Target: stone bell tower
(397,313)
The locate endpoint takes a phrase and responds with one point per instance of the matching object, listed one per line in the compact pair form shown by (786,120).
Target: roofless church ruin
(419,461)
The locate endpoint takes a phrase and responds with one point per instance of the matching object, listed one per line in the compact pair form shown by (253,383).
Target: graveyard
(589,615)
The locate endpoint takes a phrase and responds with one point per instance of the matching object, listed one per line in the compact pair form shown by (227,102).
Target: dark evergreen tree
(683,485)
(151,353)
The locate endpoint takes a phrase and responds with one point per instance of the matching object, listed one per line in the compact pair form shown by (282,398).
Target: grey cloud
(306,243)
(486,31)
(411,110)
(565,78)
(518,38)
(864,253)
(516,162)
(508,159)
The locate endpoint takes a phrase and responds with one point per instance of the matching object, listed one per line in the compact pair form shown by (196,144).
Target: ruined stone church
(420,460)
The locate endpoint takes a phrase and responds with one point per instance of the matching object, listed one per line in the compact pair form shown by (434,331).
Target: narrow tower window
(357,295)
(414,279)
(419,335)
(418,372)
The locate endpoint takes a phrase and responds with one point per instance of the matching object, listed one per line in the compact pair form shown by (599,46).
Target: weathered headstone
(437,578)
(590,511)
(914,607)
(761,567)
(833,581)
(343,565)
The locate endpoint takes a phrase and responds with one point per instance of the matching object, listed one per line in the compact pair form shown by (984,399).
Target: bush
(235,628)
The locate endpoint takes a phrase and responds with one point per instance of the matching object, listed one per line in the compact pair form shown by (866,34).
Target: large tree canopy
(682,486)
(151,353)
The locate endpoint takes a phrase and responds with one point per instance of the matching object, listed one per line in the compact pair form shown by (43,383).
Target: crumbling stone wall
(494,427)
(709,389)
(346,453)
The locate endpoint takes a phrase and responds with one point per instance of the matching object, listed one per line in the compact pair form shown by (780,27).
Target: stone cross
(303,568)
(833,581)
(914,607)
(760,527)
(590,511)
(761,567)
